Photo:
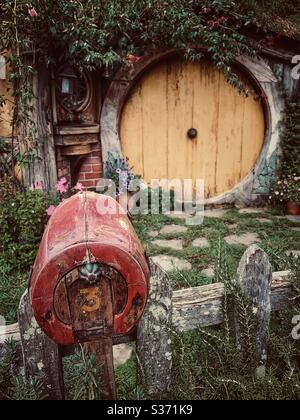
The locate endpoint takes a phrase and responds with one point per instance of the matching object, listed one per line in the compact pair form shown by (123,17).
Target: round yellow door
(183,120)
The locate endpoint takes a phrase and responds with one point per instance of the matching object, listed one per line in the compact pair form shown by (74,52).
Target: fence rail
(196,307)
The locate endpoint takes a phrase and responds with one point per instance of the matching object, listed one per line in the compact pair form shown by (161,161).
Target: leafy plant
(30,390)
(287,185)
(13,283)
(22,221)
(286,189)
(118,171)
(82,377)
(12,383)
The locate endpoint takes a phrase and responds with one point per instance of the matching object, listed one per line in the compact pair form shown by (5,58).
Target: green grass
(13,284)
(275,238)
(208,366)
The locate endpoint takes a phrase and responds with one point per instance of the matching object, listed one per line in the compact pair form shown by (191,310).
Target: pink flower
(133,58)
(36,186)
(212,24)
(79,187)
(62,186)
(32,12)
(51,210)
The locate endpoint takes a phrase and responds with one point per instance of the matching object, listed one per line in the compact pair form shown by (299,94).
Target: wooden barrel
(91,277)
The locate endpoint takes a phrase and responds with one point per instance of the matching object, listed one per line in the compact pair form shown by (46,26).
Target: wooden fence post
(154,343)
(255,279)
(41,356)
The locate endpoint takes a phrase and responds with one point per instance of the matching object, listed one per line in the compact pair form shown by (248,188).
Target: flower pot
(293,208)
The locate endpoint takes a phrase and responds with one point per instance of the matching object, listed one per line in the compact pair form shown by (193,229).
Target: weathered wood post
(154,344)
(254,276)
(42,358)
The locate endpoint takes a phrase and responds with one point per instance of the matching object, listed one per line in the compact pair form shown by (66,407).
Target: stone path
(169,263)
(216,213)
(178,243)
(122,353)
(173,229)
(180,216)
(168,230)
(233,226)
(251,210)
(175,244)
(263,220)
(153,233)
(209,272)
(246,239)
(201,243)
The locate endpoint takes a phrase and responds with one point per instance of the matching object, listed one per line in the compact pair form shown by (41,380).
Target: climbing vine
(103,33)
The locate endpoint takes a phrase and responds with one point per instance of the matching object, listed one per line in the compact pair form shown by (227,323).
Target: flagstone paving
(252,210)
(209,272)
(232,226)
(122,353)
(173,229)
(246,239)
(216,213)
(176,244)
(201,243)
(153,234)
(188,253)
(169,263)
(264,220)
(180,216)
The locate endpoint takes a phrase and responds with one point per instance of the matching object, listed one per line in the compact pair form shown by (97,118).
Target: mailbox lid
(81,219)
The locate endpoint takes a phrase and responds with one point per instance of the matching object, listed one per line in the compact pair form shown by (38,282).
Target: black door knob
(192,133)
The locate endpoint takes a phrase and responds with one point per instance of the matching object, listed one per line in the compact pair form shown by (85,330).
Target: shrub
(287,185)
(22,221)
(286,189)
(12,382)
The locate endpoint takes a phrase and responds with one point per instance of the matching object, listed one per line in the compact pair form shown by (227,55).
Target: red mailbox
(91,276)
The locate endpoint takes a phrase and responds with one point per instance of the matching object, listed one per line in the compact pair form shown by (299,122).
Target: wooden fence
(166,310)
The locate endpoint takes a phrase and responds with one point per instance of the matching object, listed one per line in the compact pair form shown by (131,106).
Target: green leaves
(88,32)
(82,378)
(22,221)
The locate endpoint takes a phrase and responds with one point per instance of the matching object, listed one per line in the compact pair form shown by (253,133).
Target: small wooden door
(175,96)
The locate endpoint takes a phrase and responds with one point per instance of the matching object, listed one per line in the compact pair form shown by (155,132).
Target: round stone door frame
(256,184)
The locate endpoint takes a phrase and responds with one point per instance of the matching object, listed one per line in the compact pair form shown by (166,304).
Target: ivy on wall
(101,33)
(290,142)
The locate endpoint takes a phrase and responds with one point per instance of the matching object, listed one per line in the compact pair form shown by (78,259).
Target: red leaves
(212,24)
(133,58)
